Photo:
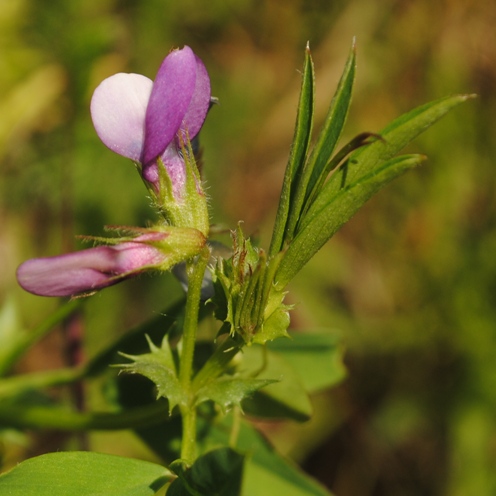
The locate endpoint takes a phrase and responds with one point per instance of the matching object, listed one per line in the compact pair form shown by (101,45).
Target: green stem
(195,279)
(16,385)
(48,417)
(196,271)
(188,442)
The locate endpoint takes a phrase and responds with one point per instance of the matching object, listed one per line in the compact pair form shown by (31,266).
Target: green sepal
(232,277)
(245,296)
(177,244)
(195,199)
(191,209)
(227,391)
(182,243)
(222,298)
(159,366)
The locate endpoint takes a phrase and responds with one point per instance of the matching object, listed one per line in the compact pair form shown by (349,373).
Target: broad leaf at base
(83,473)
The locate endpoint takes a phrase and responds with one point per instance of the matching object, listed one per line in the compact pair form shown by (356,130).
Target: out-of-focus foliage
(410,282)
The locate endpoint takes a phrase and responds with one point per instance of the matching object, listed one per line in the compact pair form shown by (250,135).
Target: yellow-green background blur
(410,282)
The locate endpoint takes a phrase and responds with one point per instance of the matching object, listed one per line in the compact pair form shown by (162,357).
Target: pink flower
(86,271)
(148,121)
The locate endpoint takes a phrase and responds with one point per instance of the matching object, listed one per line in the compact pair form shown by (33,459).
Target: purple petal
(118,109)
(200,102)
(176,170)
(172,93)
(87,270)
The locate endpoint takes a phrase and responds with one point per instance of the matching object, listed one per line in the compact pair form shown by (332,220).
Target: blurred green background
(410,282)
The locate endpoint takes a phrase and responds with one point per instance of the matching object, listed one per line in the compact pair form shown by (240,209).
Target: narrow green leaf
(339,209)
(83,473)
(395,137)
(399,133)
(18,385)
(334,123)
(335,162)
(231,391)
(317,358)
(365,173)
(218,472)
(326,143)
(301,140)
(287,398)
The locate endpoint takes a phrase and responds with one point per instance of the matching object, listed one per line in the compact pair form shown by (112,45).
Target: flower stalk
(196,270)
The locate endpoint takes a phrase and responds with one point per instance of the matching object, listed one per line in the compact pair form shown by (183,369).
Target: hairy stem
(196,271)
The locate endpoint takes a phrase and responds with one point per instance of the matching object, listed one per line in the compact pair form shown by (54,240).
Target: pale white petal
(118,109)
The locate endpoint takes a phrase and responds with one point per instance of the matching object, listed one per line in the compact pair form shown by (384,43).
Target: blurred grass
(410,281)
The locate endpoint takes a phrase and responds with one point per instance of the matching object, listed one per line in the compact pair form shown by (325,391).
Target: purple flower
(150,122)
(86,271)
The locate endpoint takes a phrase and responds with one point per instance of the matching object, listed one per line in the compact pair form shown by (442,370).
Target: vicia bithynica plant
(202,388)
